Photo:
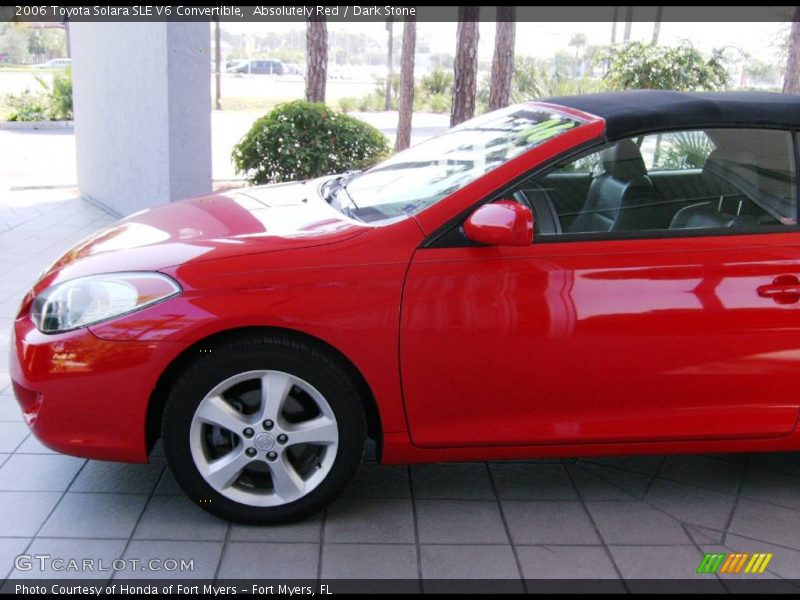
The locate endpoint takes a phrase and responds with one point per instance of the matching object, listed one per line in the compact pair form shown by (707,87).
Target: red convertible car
(603,274)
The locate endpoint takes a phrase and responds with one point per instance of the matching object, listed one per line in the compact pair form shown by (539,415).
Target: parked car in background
(259,66)
(586,275)
(55,63)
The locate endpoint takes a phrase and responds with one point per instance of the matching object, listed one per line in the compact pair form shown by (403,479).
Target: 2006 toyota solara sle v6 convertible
(590,275)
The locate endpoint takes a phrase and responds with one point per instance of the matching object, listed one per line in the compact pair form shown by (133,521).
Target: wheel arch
(158,397)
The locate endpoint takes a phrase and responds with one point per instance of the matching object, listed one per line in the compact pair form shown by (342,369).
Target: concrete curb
(37,124)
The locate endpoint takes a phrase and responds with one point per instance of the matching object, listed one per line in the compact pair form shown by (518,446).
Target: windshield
(416,178)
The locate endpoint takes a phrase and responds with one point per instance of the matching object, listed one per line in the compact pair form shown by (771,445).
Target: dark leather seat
(623,197)
(701,215)
(713,213)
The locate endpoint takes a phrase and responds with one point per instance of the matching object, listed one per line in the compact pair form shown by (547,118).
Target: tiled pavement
(633,518)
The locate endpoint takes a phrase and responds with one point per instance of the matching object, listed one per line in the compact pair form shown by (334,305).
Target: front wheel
(263,430)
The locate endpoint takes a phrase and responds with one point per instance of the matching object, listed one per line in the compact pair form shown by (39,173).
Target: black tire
(217,362)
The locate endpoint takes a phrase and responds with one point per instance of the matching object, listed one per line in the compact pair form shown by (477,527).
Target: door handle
(785,289)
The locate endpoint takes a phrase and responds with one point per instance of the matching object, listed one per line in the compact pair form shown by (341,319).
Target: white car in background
(55,63)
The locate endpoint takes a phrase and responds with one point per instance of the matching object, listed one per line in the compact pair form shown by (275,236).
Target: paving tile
(178,518)
(767,522)
(565,562)
(374,481)
(460,522)
(635,523)
(204,556)
(638,563)
(458,481)
(167,486)
(465,563)
(772,486)
(370,561)
(32,445)
(244,560)
(102,553)
(369,521)
(691,504)
(703,535)
(308,530)
(784,563)
(645,464)
(10,548)
(549,523)
(783,462)
(39,472)
(704,471)
(22,513)
(12,435)
(120,478)
(9,409)
(596,482)
(532,481)
(81,515)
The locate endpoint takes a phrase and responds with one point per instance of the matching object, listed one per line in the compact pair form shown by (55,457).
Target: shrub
(27,106)
(440,103)
(60,96)
(645,66)
(302,140)
(347,105)
(52,103)
(438,81)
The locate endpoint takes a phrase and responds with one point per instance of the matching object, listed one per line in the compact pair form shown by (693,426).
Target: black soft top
(639,111)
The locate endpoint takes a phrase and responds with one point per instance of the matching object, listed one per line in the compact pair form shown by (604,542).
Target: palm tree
(406,106)
(466,65)
(389,65)
(657,24)
(578,40)
(503,60)
(628,23)
(217,67)
(316,60)
(791,83)
(614,20)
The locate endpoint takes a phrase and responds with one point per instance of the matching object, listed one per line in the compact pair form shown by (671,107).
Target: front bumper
(85,396)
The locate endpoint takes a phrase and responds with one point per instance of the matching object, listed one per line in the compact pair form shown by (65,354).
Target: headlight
(87,300)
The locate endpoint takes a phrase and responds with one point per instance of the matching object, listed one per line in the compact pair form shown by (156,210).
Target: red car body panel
(544,344)
(430,330)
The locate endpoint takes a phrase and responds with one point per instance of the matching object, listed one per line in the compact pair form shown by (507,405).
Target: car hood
(246,221)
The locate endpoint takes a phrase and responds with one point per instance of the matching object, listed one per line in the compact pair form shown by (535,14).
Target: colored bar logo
(734,563)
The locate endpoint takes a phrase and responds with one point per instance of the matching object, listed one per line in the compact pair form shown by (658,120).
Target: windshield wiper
(340,183)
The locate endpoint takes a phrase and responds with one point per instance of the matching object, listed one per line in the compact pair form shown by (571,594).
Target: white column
(142,100)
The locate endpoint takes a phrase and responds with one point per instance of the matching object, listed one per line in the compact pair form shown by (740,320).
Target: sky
(543,39)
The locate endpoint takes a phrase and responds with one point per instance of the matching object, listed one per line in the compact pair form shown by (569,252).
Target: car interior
(713,179)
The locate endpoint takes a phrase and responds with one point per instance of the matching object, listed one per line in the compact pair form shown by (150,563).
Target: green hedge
(302,140)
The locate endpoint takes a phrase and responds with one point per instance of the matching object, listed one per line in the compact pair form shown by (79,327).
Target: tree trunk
(217,67)
(406,107)
(628,23)
(316,60)
(503,60)
(387,105)
(657,24)
(614,25)
(791,84)
(466,65)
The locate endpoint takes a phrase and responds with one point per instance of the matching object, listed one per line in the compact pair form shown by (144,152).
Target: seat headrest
(624,161)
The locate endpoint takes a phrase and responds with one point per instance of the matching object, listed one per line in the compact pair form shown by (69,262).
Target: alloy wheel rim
(264,438)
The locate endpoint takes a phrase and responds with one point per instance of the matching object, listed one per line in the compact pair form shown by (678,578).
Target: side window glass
(717,180)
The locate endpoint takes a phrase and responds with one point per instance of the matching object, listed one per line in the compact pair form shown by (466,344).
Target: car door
(638,332)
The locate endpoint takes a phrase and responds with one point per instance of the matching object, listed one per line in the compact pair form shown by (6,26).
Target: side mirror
(503,223)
